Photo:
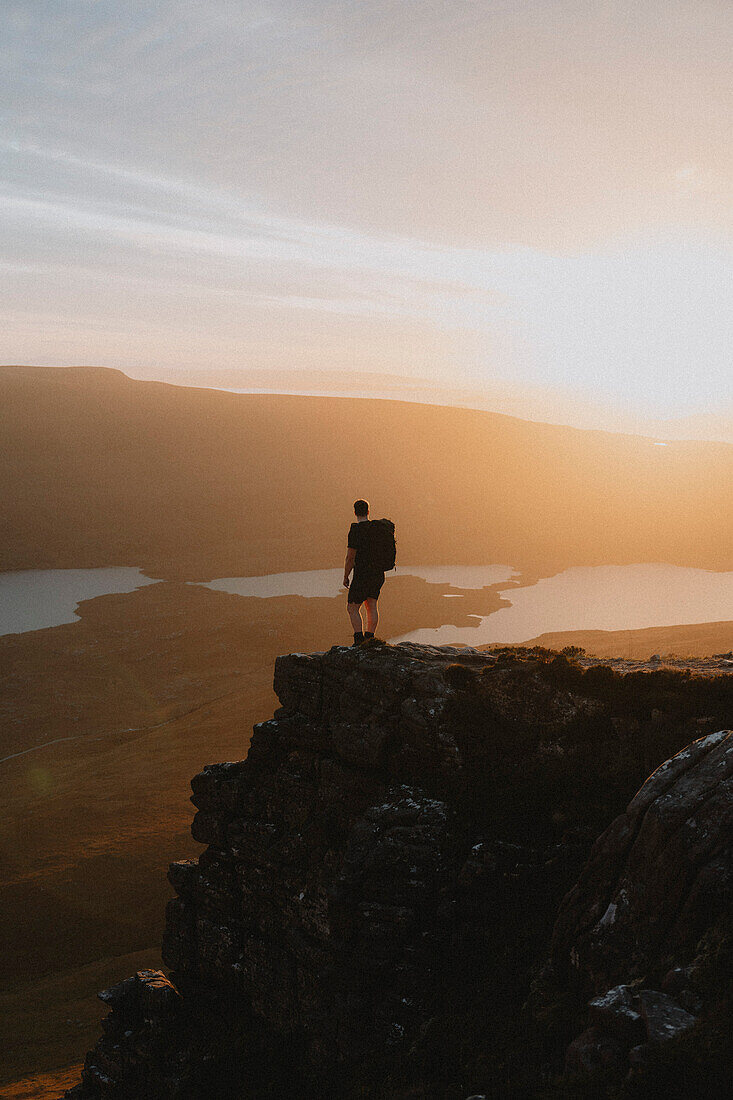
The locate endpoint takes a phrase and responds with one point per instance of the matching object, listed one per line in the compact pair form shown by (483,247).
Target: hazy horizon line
(503,398)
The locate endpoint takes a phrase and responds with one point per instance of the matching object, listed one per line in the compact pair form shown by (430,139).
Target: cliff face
(658,876)
(382,874)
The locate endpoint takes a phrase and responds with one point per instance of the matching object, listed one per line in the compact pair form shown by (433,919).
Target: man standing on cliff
(368,579)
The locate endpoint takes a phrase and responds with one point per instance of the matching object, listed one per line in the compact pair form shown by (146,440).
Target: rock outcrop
(652,911)
(657,877)
(382,873)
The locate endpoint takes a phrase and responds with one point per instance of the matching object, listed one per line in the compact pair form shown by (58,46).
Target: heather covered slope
(96,469)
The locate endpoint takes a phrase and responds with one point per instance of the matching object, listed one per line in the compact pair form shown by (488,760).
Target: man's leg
(354,610)
(372,615)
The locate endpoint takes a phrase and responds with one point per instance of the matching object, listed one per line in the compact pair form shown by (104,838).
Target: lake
(327,582)
(32,599)
(601,597)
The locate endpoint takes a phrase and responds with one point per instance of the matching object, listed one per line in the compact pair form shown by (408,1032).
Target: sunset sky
(530,193)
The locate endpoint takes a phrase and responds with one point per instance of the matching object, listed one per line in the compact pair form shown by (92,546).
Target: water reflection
(602,597)
(33,599)
(327,582)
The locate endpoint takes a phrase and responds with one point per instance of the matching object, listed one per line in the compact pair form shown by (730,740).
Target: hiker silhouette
(370,552)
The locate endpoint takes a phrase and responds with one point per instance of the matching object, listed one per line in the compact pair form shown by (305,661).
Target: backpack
(383,545)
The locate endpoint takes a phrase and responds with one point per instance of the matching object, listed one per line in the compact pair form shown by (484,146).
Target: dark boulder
(663,1018)
(591,1052)
(657,878)
(618,1012)
(653,905)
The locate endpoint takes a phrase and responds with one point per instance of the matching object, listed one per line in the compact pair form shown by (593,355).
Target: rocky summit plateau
(447,873)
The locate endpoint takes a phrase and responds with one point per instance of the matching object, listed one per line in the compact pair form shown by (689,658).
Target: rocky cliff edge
(373,911)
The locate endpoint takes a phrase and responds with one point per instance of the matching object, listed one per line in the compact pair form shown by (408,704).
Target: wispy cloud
(465,190)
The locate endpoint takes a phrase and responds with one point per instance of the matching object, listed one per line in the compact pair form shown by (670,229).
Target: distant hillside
(547,404)
(97,469)
(696,640)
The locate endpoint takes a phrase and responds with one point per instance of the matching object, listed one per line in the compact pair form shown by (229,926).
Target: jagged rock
(639,1058)
(657,878)
(117,996)
(617,1012)
(663,1018)
(624,1025)
(637,1015)
(593,1051)
(139,1054)
(677,979)
(689,1001)
(381,875)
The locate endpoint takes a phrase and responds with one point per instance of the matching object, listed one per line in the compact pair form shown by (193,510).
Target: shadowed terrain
(98,469)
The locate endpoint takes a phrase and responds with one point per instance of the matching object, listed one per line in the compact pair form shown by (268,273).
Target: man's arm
(349,565)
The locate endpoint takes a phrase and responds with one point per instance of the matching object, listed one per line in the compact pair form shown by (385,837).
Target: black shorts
(365,588)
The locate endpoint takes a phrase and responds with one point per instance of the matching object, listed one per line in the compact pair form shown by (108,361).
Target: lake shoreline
(512,608)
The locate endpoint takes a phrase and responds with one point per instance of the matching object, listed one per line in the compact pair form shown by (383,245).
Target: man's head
(361,508)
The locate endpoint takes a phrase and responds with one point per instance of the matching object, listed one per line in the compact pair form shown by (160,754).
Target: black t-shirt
(361,541)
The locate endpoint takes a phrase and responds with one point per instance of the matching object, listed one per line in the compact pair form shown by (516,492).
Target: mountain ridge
(522,401)
(204,483)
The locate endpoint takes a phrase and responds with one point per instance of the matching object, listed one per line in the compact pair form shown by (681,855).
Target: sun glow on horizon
(527,203)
